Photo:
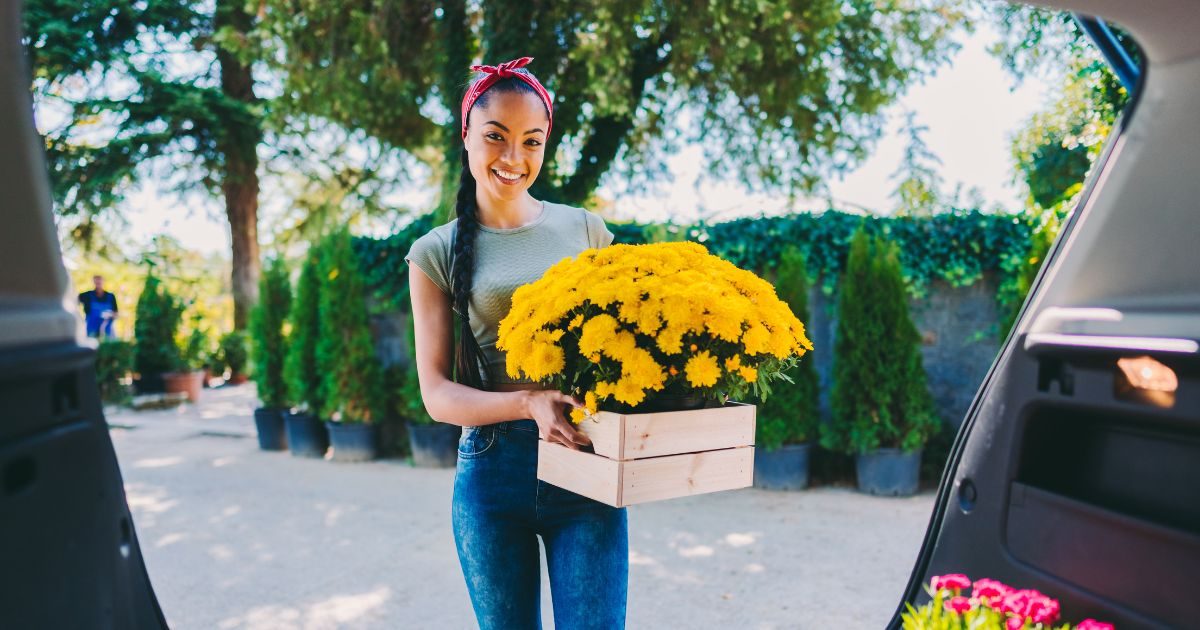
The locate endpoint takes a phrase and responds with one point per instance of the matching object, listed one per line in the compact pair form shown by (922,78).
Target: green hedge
(957,247)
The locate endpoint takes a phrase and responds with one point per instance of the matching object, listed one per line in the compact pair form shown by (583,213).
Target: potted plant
(189,378)
(158,315)
(268,343)
(306,434)
(655,340)
(883,413)
(351,377)
(235,356)
(434,444)
(114,363)
(788,419)
(990,605)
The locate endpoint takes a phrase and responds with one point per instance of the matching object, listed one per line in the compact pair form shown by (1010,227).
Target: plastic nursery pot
(888,472)
(306,435)
(269,422)
(353,441)
(785,468)
(434,445)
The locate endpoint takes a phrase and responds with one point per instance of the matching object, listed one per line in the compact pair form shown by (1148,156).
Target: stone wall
(957,326)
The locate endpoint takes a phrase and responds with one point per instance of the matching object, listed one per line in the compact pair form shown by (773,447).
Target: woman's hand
(547,407)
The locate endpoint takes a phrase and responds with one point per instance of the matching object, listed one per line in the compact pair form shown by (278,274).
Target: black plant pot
(149,384)
(353,442)
(785,468)
(271,433)
(888,472)
(434,445)
(306,435)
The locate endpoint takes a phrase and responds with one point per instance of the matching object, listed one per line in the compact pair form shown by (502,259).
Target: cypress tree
(158,315)
(300,370)
(351,378)
(266,334)
(790,414)
(880,398)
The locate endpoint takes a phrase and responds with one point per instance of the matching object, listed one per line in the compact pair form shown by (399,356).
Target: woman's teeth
(508,176)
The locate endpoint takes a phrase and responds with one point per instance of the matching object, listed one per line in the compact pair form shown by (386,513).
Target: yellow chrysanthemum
(631,303)
(702,370)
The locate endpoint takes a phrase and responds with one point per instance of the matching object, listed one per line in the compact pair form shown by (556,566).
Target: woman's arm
(454,403)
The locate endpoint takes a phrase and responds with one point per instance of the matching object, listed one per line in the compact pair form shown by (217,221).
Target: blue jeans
(500,508)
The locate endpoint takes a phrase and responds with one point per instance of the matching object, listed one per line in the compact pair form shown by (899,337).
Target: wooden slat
(582,473)
(673,476)
(633,436)
(605,429)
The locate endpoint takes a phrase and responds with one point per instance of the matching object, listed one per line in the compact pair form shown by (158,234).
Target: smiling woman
(503,238)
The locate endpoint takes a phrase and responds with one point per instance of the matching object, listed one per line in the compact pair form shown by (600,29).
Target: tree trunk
(239,145)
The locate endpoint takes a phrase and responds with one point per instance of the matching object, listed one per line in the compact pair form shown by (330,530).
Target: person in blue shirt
(99,309)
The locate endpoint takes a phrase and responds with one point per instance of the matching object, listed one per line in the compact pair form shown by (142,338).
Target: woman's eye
(493,136)
(533,143)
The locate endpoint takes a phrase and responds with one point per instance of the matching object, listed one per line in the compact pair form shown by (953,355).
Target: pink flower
(1042,609)
(1014,623)
(1017,602)
(1092,624)
(953,581)
(991,591)
(958,604)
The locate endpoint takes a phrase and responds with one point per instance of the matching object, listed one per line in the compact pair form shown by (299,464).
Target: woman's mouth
(508,178)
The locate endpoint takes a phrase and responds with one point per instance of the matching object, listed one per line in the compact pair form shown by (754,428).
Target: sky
(972,107)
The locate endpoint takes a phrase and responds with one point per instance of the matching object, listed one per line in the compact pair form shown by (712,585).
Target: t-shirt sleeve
(598,234)
(431,254)
(113,299)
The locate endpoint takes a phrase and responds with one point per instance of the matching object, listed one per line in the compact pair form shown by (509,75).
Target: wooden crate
(653,456)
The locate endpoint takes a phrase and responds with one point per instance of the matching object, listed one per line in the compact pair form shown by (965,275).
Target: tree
(300,369)
(158,316)
(782,91)
(1057,147)
(918,192)
(790,414)
(880,398)
(161,87)
(351,385)
(268,342)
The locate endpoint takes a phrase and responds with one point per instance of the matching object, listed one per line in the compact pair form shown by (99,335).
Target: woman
(469,268)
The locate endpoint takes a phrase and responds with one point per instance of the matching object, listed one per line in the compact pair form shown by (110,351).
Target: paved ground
(239,538)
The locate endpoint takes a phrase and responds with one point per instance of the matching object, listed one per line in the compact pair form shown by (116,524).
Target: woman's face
(506,143)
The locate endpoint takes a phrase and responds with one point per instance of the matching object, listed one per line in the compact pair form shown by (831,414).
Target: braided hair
(469,359)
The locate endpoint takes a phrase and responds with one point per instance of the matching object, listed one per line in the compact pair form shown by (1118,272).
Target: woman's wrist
(524,397)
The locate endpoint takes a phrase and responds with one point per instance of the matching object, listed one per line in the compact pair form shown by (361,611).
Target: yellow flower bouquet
(622,324)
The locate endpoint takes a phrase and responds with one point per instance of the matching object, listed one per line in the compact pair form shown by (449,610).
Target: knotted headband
(493,74)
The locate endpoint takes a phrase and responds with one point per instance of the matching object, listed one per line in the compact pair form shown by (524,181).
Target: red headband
(493,74)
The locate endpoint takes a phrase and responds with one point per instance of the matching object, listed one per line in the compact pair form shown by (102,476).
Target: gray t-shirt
(504,260)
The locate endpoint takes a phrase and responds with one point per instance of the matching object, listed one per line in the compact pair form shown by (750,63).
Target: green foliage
(1057,147)
(267,322)
(918,191)
(620,73)
(880,398)
(87,58)
(198,348)
(351,379)
(158,317)
(790,414)
(234,352)
(114,362)
(300,369)
(957,247)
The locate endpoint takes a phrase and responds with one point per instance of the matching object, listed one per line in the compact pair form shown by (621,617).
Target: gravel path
(239,538)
